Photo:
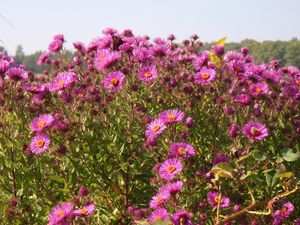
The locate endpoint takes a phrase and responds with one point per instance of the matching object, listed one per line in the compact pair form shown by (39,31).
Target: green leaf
(259,155)
(285,175)
(289,155)
(271,177)
(223,169)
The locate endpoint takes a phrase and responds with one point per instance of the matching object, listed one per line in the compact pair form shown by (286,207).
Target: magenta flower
(258,89)
(255,131)
(172,188)
(171,116)
(86,210)
(160,214)
(155,128)
(55,45)
(201,60)
(34,88)
(62,81)
(43,58)
(41,122)
(182,149)
(39,144)
(181,217)
(213,198)
(4,64)
(205,76)
(59,213)
(285,210)
(243,99)
(114,81)
(147,73)
(105,59)
(16,73)
(220,157)
(170,168)
(159,199)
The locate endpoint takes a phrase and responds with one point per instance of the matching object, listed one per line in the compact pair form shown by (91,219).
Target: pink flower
(159,199)
(285,211)
(62,81)
(255,131)
(171,116)
(213,199)
(155,128)
(170,168)
(41,122)
(86,210)
(39,144)
(160,214)
(147,73)
(182,149)
(16,73)
(113,81)
(172,188)
(205,76)
(105,59)
(59,213)
(258,89)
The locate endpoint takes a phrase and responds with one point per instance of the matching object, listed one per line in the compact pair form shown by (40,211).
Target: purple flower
(43,58)
(160,214)
(86,210)
(285,211)
(233,130)
(16,73)
(213,199)
(4,64)
(62,81)
(155,128)
(147,73)
(220,158)
(205,76)
(243,99)
(105,59)
(258,89)
(159,199)
(55,45)
(59,213)
(201,60)
(170,168)
(181,217)
(114,81)
(172,188)
(41,122)
(171,116)
(181,149)
(255,131)
(39,144)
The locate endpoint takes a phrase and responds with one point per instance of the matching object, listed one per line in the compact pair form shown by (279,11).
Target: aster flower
(258,89)
(181,217)
(147,73)
(201,60)
(171,116)
(16,73)
(59,213)
(170,168)
(55,45)
(213,198)
(62,81)
(290,91)
(285,210)
(43,58)
(172,188)
(255,131)
(182,149)
(243,99)
(4,64)
(155,128)
(86,210)
(39,143)
(142,54)
(159,199)
(160,214)
(104,59)
(220,158)
(34,88)
(205,75)
(113,81)
(41,122)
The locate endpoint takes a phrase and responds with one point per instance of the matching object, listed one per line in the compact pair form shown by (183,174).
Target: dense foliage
(134,131)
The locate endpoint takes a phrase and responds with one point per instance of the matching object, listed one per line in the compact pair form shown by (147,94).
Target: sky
(32,23)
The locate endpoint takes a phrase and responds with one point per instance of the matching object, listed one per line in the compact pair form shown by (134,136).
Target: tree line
(287,52)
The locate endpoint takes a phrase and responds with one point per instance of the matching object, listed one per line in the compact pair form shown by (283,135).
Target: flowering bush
(133,131)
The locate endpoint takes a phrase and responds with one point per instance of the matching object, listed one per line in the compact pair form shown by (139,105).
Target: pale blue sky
(36,21)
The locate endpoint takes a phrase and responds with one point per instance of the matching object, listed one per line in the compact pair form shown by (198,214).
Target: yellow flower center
(157,218)
(254,131)
(216,199)
(182,150)
(60,83)
(283,210)
(114,81)
(155,128)
(101,57)
(171,117)
(148,74)
(159,199)
(238,69)
(83,211)
(258,90)
(40,143)
(41,123)
(171,169)
(60,212)
(298,82)
(205,76)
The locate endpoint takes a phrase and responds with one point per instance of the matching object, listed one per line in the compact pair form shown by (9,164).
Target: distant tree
(19,55)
